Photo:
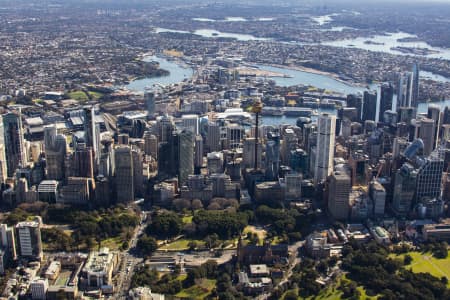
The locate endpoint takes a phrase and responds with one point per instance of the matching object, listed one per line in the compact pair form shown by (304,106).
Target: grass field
(261,233)
(187,219)
(180,245)
(198,291)
(78,95)
(426,263)
(333,293)
(95,95)
(112,243)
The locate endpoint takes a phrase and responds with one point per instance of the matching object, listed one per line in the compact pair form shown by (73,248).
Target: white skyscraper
(326,128)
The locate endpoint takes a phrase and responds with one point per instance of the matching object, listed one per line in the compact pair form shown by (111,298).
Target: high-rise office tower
(356,102)
(326,127)
(370,106)
(29,241)
(92,133)
(401,101)
(409,89)
(149,99)
(404,187)
(293,189)
(21,190)
(124,176)
(55,147)
(123,139)
(7,240)
(106,166)
(446,116)
(378,195)
(434,113)
(138,172)
(190,122)
(405,91)
(429,177)
(3,164)
(198,153)
(415,85)
(151,144)
(235,133)
(213,137)
(165,128)
(272,160)
(425,130)
(290,142)
(185,155)
(248,153)
(339,188)
(83,163)
(386,97)
(14,142)
(359,162)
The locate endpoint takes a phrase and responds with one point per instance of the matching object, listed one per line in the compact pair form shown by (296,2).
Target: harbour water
(179,73)
(384,43)
(377,43)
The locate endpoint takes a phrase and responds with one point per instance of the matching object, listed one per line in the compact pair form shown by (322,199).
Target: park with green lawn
(427,263)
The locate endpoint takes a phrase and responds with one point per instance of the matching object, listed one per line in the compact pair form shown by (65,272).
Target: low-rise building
(440,232)
(380,235)
(99,267)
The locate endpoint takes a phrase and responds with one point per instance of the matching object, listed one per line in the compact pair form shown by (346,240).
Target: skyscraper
(404,187)
(29,239)
(415,85)
(149,99)
(370,106)
(14,143)
(124,177)
(339,188)
(138,172)
(185,155)
(387,94)
(434,113)
(55,152)
(92,133)
(248,153)
(198,161)
(272,160)
(165,128)
(425,131)
(429,177)
(213,137)
(83,163)
(325,147)
(356,102)
(151,144)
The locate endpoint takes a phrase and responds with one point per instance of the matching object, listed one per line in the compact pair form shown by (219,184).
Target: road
(128,262)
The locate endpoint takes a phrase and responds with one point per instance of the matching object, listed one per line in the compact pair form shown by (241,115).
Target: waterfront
(384,43)
(308,78)
(177,74)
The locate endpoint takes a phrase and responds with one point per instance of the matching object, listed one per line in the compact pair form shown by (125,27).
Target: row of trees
(225,224)
(87,228)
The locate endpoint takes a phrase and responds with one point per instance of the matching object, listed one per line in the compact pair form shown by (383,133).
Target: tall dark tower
(256,108)
(387,94)
(92,132)
(415,85)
